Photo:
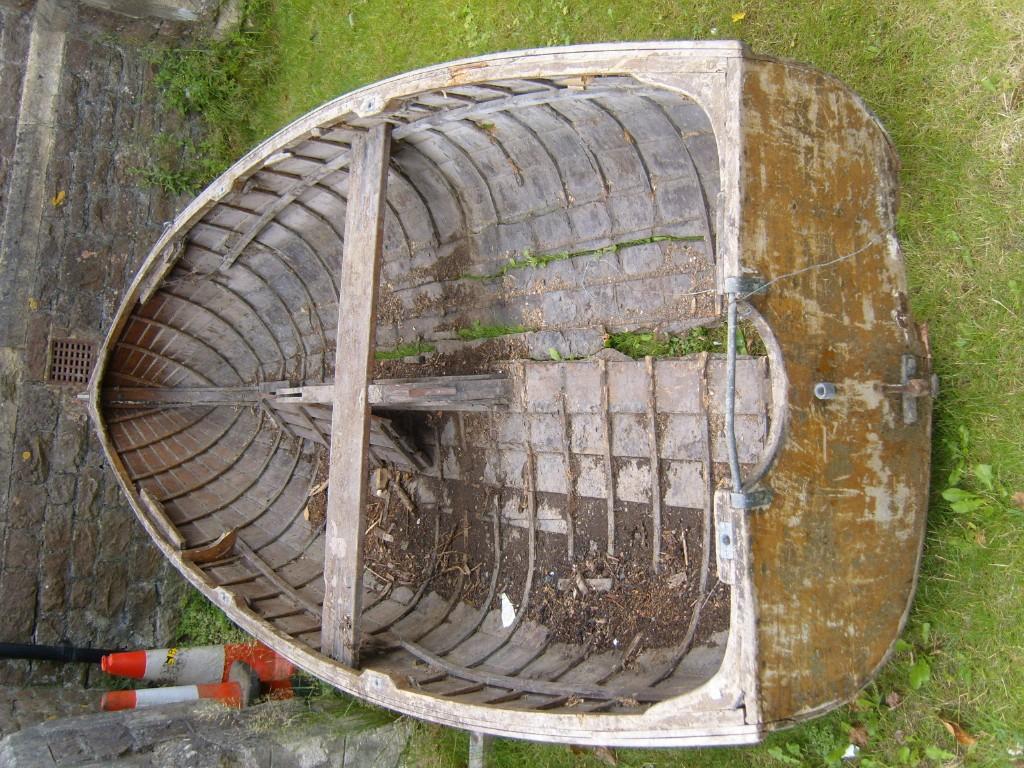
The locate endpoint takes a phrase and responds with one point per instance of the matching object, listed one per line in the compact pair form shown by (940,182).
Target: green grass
(478,331)
(213,80)
(639,344)
(945,77)
(200,622)
(404,350)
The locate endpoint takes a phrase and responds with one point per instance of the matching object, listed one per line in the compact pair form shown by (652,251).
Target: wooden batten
(350,421)
(181,396)
(447,393)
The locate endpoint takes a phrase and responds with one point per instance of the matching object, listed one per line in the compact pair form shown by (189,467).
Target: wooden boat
(525,535)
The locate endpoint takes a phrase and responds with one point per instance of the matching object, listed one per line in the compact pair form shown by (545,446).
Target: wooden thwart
(347,491)
(443,393)
(184,396)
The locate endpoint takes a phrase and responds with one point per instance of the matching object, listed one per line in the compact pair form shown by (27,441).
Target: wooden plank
(243,239)
(257,562)
(347,490)
(451,393)
(125,396)
(399,444)
(608,468)
(274,417)
(570,475)
(484,676)
(652,437)
(161,520)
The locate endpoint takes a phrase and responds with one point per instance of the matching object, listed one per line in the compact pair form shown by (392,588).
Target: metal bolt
(825,390)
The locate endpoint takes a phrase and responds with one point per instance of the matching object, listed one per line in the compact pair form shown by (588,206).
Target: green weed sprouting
(639,344)
(403,350)
(531,260)
(478,331)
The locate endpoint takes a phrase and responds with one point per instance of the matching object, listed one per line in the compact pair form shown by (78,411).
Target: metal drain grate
(71,361)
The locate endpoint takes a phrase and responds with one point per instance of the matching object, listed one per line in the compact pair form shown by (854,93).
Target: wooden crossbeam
(437,393)
(347,491)
(186,396)
(444,393)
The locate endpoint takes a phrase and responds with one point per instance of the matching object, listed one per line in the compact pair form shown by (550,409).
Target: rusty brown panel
(835,555)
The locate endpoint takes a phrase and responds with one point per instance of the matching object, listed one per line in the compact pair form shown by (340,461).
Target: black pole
(62,653)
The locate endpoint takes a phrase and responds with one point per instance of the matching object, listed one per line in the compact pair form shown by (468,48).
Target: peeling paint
(835,555)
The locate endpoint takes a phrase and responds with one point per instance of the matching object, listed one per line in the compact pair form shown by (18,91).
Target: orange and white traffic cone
(202,664)
(229,694)
(237,692)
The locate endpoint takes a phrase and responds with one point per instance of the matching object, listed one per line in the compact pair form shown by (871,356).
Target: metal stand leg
(478,745)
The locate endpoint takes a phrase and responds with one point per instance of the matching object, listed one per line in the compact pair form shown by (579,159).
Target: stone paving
(277,735)
(74,564)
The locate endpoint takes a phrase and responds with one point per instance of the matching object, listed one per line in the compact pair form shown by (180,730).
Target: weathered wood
(278,421)
(570,476)
(652,437)
(608,469)
(757,225)
(449,393)
(257,562)
(350,423)
(513,683)
(160,519)
(145,396)
(215,551)
(243,239)
(399,444)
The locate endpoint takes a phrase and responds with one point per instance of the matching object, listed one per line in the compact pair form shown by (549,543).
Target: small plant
(177,166)
(404,350)
(475,36)
(986,494)
(638,344)
(478,331)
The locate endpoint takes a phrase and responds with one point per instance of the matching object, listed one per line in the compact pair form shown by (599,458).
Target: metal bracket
(744,285)
(911,387)
(752,499)
(725,540)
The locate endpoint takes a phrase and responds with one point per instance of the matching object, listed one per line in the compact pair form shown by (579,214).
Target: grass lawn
(947,79)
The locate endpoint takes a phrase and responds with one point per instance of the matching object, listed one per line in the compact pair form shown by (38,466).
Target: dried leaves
(961,736)
(859,736)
